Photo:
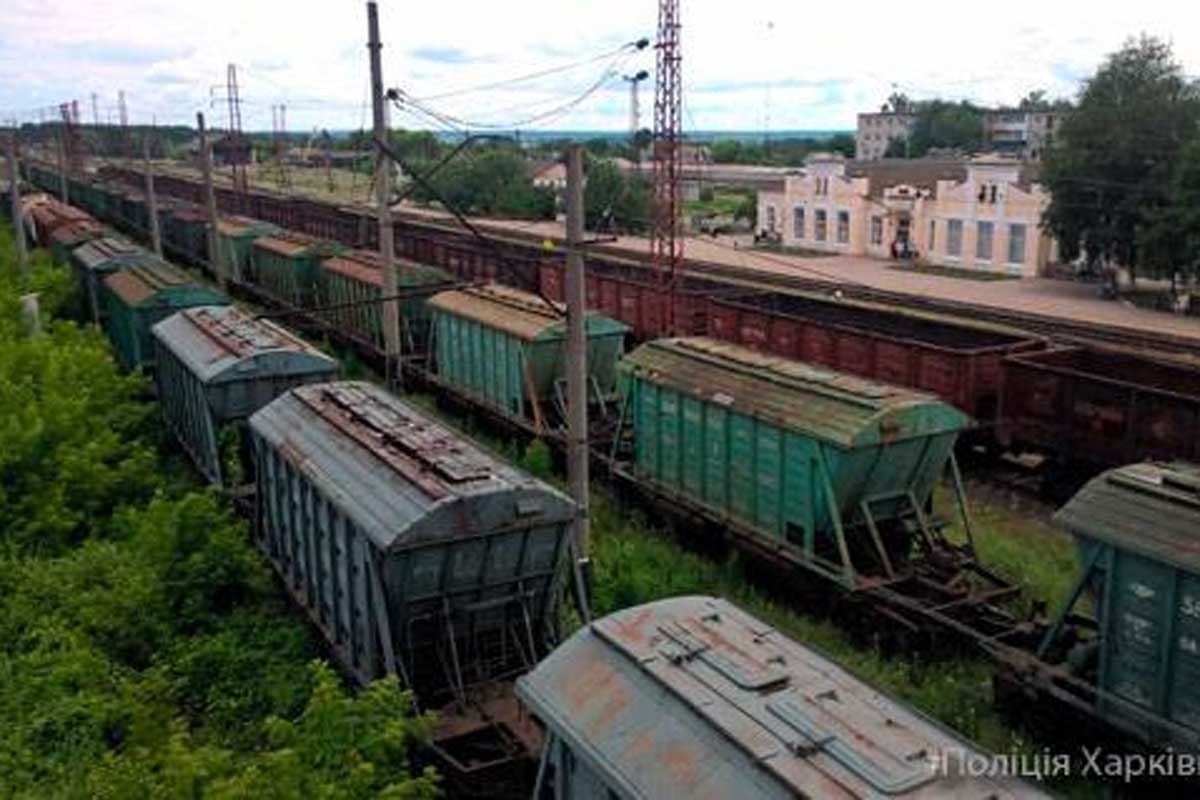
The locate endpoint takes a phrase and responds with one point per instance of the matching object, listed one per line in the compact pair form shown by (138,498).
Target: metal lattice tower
(234,140)
(666,239)
(72,147)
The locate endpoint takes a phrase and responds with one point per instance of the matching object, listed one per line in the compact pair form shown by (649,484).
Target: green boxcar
(99,258)
(235,239)
(286,266)
(140,295)
(1138,528)
(185,231)
(349,285)
(507,349)
(830,468)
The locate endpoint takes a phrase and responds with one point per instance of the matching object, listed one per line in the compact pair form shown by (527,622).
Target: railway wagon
(185,231)
(507,350)
(217,365)
(43,215)
(692,697)
(811,469)
(285,265)
(349,287)
(959,362)
(140,295)
(1126,648)
(1100,408)
(632,295)
(235,239)
(442,564)
(65,238)
(132,211)
(96,259)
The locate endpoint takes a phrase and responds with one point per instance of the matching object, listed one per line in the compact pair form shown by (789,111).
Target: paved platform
(1052,298)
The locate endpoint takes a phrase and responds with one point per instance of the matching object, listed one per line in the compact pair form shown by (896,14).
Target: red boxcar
(1101,407)
(961,363)
(632,295)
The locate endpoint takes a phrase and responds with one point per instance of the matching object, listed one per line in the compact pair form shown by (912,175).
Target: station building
(983,213)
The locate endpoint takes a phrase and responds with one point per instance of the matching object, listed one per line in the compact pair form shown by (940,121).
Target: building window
(771,219)
(1016,244)
(954,238)
(932,235)
(798,222)
(983,241)
(819,225)
(876,230)
(843,229)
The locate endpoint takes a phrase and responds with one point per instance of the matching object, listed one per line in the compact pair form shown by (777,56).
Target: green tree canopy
(613,202)
(1115,155)
(1168,238)
(944,125)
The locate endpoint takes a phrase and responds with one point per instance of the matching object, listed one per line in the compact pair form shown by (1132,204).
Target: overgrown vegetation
(145,648)
(1123,172)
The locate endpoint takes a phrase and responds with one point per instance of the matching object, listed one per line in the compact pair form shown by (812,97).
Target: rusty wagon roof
(1151,508)
(108,253)
(367,267)
(401,477)
(235,227)
(144,281)
(691,697)
(526,316)
(843,409)
(224,343)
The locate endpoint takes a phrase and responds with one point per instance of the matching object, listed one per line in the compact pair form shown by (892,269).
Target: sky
(767,65)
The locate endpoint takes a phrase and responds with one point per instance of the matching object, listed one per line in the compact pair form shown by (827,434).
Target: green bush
(145,650)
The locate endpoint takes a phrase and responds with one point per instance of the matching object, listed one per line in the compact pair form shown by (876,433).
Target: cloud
(773,61)
(443,55)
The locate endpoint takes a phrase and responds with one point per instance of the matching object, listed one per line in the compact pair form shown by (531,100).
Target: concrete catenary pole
(14,177)
(383,195)
(210,203)
(151,199)
(577,390)
(62,170)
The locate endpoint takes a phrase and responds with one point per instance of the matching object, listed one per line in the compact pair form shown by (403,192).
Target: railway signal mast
(666,239)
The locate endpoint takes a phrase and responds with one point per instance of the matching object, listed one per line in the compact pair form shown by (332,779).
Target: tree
(897,148)
(1168,238)
(944,125)
(898,103)
(613,202)
(842,143)
(1115,155)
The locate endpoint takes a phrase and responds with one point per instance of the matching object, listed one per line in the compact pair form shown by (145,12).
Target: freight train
(827,474)
(1085,408)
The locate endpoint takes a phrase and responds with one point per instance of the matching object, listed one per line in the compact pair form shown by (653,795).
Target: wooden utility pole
(151,200)
(577,372)
(383,195)
(14,177)
(215,256)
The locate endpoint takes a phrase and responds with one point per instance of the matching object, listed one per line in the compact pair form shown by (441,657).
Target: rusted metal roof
(367,267)
(401,477)
(842,409)
(1152,509)
(526,316)
(107,253)
(138,283)
(283,247)
(218,343)
(235,227)
(692,697)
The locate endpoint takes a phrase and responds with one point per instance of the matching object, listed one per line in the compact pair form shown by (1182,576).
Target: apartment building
(982,213)
(876,130)
(1024,134)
